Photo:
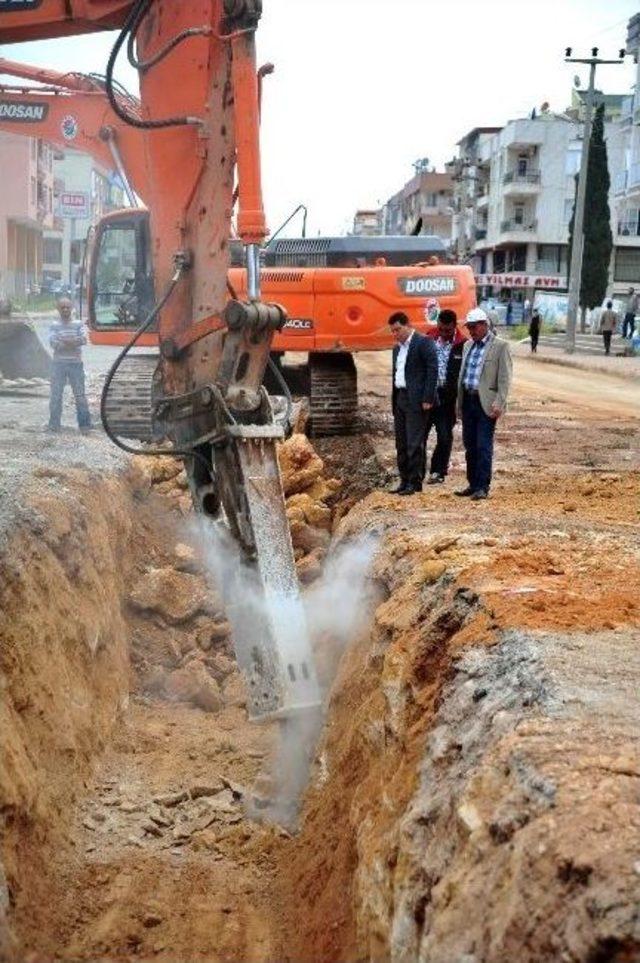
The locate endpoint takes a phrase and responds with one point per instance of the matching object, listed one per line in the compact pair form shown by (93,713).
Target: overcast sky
(364,87)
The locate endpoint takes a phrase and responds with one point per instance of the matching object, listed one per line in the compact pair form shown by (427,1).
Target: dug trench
(474,793)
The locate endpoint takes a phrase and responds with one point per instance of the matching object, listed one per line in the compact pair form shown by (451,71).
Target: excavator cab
(121,286)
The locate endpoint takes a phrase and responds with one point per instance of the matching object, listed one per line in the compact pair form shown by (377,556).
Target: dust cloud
(337,607)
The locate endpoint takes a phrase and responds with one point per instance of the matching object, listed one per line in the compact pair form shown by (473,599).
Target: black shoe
(409,490)
(435,479)
(479,495)
(400,489)
(464,492)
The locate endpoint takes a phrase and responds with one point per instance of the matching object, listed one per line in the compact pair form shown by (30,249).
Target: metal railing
(512,225)
(514,177)
(628,230)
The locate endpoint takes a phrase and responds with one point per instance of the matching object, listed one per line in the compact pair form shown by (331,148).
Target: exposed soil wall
(65,662)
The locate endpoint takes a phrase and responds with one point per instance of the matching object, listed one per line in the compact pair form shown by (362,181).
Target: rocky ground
(474,795)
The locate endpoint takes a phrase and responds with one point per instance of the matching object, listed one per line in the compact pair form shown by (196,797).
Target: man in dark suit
(415,380)
(449,343)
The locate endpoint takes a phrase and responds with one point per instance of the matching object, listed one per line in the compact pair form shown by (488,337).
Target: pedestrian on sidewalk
(414,384)
(449,343)
(608,325)
(630,311)
(534,330)
(483,389)
(509,312)
(66,337)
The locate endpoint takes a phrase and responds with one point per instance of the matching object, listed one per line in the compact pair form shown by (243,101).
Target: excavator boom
(197,123)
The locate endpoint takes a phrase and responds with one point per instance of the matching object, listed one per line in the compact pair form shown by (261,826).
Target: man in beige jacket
(483,389)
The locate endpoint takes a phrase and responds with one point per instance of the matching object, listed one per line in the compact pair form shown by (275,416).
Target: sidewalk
(618,366)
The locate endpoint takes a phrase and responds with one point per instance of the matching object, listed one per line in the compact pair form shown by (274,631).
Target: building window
(518,213)
(627,265)
(551,259)
(523,163)
(52,250)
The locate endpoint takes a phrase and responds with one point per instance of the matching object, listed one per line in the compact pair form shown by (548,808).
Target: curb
(628,375)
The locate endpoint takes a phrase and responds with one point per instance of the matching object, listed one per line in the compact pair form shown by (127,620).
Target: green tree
(598,240)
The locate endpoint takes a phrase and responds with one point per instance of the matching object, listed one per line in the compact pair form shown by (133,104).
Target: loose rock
(192,683)
(176,596)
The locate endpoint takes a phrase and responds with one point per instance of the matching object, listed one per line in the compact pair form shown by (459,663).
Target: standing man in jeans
(630,311)
(66,338)
(414,384)
(449,343)
(483,389)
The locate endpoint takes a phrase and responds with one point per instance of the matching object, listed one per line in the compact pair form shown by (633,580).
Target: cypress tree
(598,240)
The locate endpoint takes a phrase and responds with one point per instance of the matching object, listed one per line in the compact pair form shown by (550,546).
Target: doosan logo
(427,285)
(23,113)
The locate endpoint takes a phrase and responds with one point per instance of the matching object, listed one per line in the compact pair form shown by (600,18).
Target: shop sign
(517,280)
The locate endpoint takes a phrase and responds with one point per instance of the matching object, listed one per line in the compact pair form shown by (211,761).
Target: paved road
(595,390)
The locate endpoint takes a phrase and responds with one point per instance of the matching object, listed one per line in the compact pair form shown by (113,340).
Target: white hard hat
(476,315)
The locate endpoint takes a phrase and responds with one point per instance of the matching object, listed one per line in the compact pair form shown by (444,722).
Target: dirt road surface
(474,796)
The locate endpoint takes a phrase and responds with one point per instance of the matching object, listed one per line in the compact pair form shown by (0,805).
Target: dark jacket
(448,393)
(421,371)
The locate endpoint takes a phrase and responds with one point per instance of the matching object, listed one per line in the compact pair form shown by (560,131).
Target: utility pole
(575,268)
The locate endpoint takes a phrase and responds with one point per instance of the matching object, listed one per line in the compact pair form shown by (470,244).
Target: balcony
(515,177)
(521,183)
(627,234)
(515,227)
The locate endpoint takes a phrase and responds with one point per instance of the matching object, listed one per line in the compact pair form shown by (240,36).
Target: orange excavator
(199,119)
(338,292)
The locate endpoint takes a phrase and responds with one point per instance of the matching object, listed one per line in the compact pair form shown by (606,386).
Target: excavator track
(129,399)
(334,394)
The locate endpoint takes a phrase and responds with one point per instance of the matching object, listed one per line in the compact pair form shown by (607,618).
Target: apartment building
(26,211)
(624,151)
(427,195)
(515,190)
(76,174)
(367,222)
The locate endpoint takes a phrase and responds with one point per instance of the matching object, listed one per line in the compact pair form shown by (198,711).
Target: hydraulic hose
(135,15)
(146,324)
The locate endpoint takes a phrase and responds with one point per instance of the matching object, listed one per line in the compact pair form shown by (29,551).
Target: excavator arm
(199,120)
